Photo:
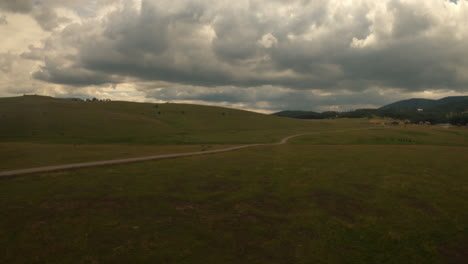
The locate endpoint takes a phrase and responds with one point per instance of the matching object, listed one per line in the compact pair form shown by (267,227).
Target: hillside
(447,104)
(413,103)
(445,110)
(52,120)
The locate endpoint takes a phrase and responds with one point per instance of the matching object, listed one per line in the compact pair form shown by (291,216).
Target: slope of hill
(453,103)
(52,120)
(413,103)
(445,110)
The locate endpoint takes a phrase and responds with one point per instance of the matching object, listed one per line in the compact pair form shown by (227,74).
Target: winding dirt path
(146,158)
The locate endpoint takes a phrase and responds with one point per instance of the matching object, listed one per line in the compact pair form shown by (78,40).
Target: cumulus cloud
(395,44)
(326,51)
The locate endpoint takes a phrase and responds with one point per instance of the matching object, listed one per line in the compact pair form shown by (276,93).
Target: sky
(259,55)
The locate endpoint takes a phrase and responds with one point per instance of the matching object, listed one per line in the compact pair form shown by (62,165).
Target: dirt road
(146,158)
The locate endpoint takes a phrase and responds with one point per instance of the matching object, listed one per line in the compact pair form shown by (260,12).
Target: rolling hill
(51,120)
(445,110)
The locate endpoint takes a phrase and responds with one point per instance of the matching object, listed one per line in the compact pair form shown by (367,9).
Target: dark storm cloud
(414,65)
(236,36)
(328,46)
(57,73)
(409,20)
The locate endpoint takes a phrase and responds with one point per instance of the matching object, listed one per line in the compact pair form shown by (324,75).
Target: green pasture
(284,204)
(390,135)
(40,131)
(366,194)
(18,155)
(48,120)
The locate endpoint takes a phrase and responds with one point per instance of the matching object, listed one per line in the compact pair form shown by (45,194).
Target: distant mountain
(449,109)
(408,104)
(447,104)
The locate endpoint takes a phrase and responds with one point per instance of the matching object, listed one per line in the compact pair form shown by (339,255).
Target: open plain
(365,194)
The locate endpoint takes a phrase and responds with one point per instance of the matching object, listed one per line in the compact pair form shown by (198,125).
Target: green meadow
(47,120)
(350,192)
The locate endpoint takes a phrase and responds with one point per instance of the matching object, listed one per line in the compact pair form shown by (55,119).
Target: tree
(460,119)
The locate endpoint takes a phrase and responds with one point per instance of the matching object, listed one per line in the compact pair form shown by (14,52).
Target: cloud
(217,51)
(267,41)
(71,76)
(392,45)
(20,6)
(42,11)
(273,98)
(3,20)
(47,18)
(6,62)
(269,98)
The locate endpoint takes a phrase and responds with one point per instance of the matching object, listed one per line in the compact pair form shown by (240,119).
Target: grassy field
(40,131)
(17,155)
(386,195)
(40,119)
(399,135)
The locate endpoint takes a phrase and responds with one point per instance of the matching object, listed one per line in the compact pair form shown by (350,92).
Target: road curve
(146,158)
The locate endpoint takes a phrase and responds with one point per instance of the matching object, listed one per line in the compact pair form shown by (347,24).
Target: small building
(420,109)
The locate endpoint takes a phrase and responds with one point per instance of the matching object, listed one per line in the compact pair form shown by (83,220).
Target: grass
(47,120)
(17,155)
(386,195)
(284,204)
(41,131)
(410,135)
